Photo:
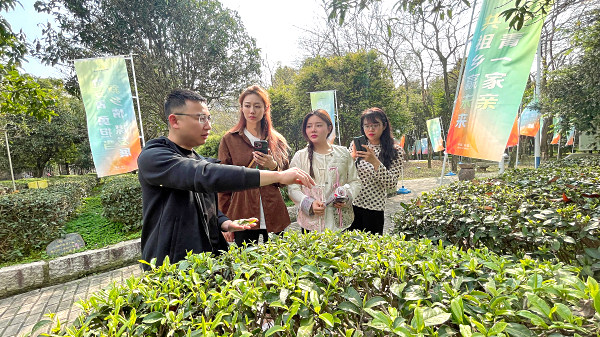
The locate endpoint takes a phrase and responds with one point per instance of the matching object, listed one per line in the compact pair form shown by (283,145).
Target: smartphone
(261,146)
(359,142)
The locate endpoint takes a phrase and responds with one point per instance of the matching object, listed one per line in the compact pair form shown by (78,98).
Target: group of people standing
(333,187)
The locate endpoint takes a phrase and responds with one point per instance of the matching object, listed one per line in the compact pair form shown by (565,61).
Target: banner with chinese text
(493,83)
(112,127)
(530,122)
(434,128)
(325,100)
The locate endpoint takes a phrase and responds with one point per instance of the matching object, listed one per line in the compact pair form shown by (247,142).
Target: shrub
(211,147)
(548,213)
(121,198)
(349,284)
(32,218)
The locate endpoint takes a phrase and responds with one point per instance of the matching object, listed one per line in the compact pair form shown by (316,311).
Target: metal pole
(137,99)
(458,83)
(538,80)
(337,117)
(12,174)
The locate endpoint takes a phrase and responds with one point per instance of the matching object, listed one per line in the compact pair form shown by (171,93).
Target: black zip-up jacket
(179,200)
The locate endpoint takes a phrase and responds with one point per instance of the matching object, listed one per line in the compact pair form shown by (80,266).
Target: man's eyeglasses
(202,118)
(372,126)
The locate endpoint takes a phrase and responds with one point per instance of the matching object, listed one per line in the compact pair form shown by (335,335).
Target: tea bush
(32,218)
(121,198)
(550,212)
(350,284)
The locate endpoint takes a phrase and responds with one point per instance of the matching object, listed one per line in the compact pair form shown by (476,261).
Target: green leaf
(417,322)
(539,304)
(518,330)
(274,329)
(374,301)
(497,328)
(350,307)
(328,318)
(564,312)
(465,330)
(153,317)
(597,302)
(306,327)
(535,319)
(456,305)
(595,253)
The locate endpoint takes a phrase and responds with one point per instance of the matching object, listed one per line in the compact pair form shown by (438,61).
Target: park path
(19,313)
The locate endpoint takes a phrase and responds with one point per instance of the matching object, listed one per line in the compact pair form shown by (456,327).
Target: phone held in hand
(261,146)
(359,142)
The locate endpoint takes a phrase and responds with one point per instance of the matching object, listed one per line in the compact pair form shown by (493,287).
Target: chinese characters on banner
(112,128)
(530,122)
(325,100)
(493,83)
(434,129)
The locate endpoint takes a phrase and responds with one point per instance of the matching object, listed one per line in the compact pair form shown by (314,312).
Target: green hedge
(121,198)
(551,212)
(349,284)
(32,218)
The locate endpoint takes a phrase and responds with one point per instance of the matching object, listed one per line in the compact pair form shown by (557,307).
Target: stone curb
(25,277)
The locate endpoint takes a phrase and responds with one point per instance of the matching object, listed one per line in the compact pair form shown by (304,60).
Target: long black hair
(388,153)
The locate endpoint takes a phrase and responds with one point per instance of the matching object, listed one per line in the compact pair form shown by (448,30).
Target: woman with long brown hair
(238,148)
(328,205)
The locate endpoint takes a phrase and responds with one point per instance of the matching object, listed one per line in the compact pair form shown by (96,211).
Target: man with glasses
(179,199)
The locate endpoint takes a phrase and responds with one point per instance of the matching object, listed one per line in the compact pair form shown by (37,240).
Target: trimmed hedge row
(551,212)
(32,218)
(121,198)
(349,284)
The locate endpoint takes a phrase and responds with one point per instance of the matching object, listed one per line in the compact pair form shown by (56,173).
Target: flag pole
(137,100)
(458,84)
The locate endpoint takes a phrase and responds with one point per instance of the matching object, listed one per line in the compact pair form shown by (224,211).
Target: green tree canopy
(191,44)
(361,80)
(573,92)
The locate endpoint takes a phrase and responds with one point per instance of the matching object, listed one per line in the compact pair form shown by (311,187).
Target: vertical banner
(434,128)
(402,141)
(513,139)
(571,137)
(112,128)
(325,100)
(556,135)
(424,147)
(493,83)
(530,122)
(418,146)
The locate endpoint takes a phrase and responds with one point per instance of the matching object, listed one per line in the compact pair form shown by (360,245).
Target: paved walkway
(19,313)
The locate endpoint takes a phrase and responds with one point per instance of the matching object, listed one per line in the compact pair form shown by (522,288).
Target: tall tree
(192,44)
(37,142)
(574,91)
(361,80)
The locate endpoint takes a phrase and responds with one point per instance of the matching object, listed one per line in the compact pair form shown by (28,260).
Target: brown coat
(235,149)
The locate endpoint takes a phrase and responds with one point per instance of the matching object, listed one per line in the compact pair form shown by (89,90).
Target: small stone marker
(63,246)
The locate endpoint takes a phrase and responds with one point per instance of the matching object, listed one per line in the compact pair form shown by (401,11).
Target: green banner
(112,127)
(434,128)
(493,82)
(325,100)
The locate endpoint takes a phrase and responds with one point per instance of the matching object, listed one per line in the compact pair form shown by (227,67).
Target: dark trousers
(367,220)
(251,237)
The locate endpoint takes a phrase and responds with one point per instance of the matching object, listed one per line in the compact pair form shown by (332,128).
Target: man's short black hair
(176,99)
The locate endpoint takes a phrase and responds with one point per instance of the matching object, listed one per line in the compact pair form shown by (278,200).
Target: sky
(276,25)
